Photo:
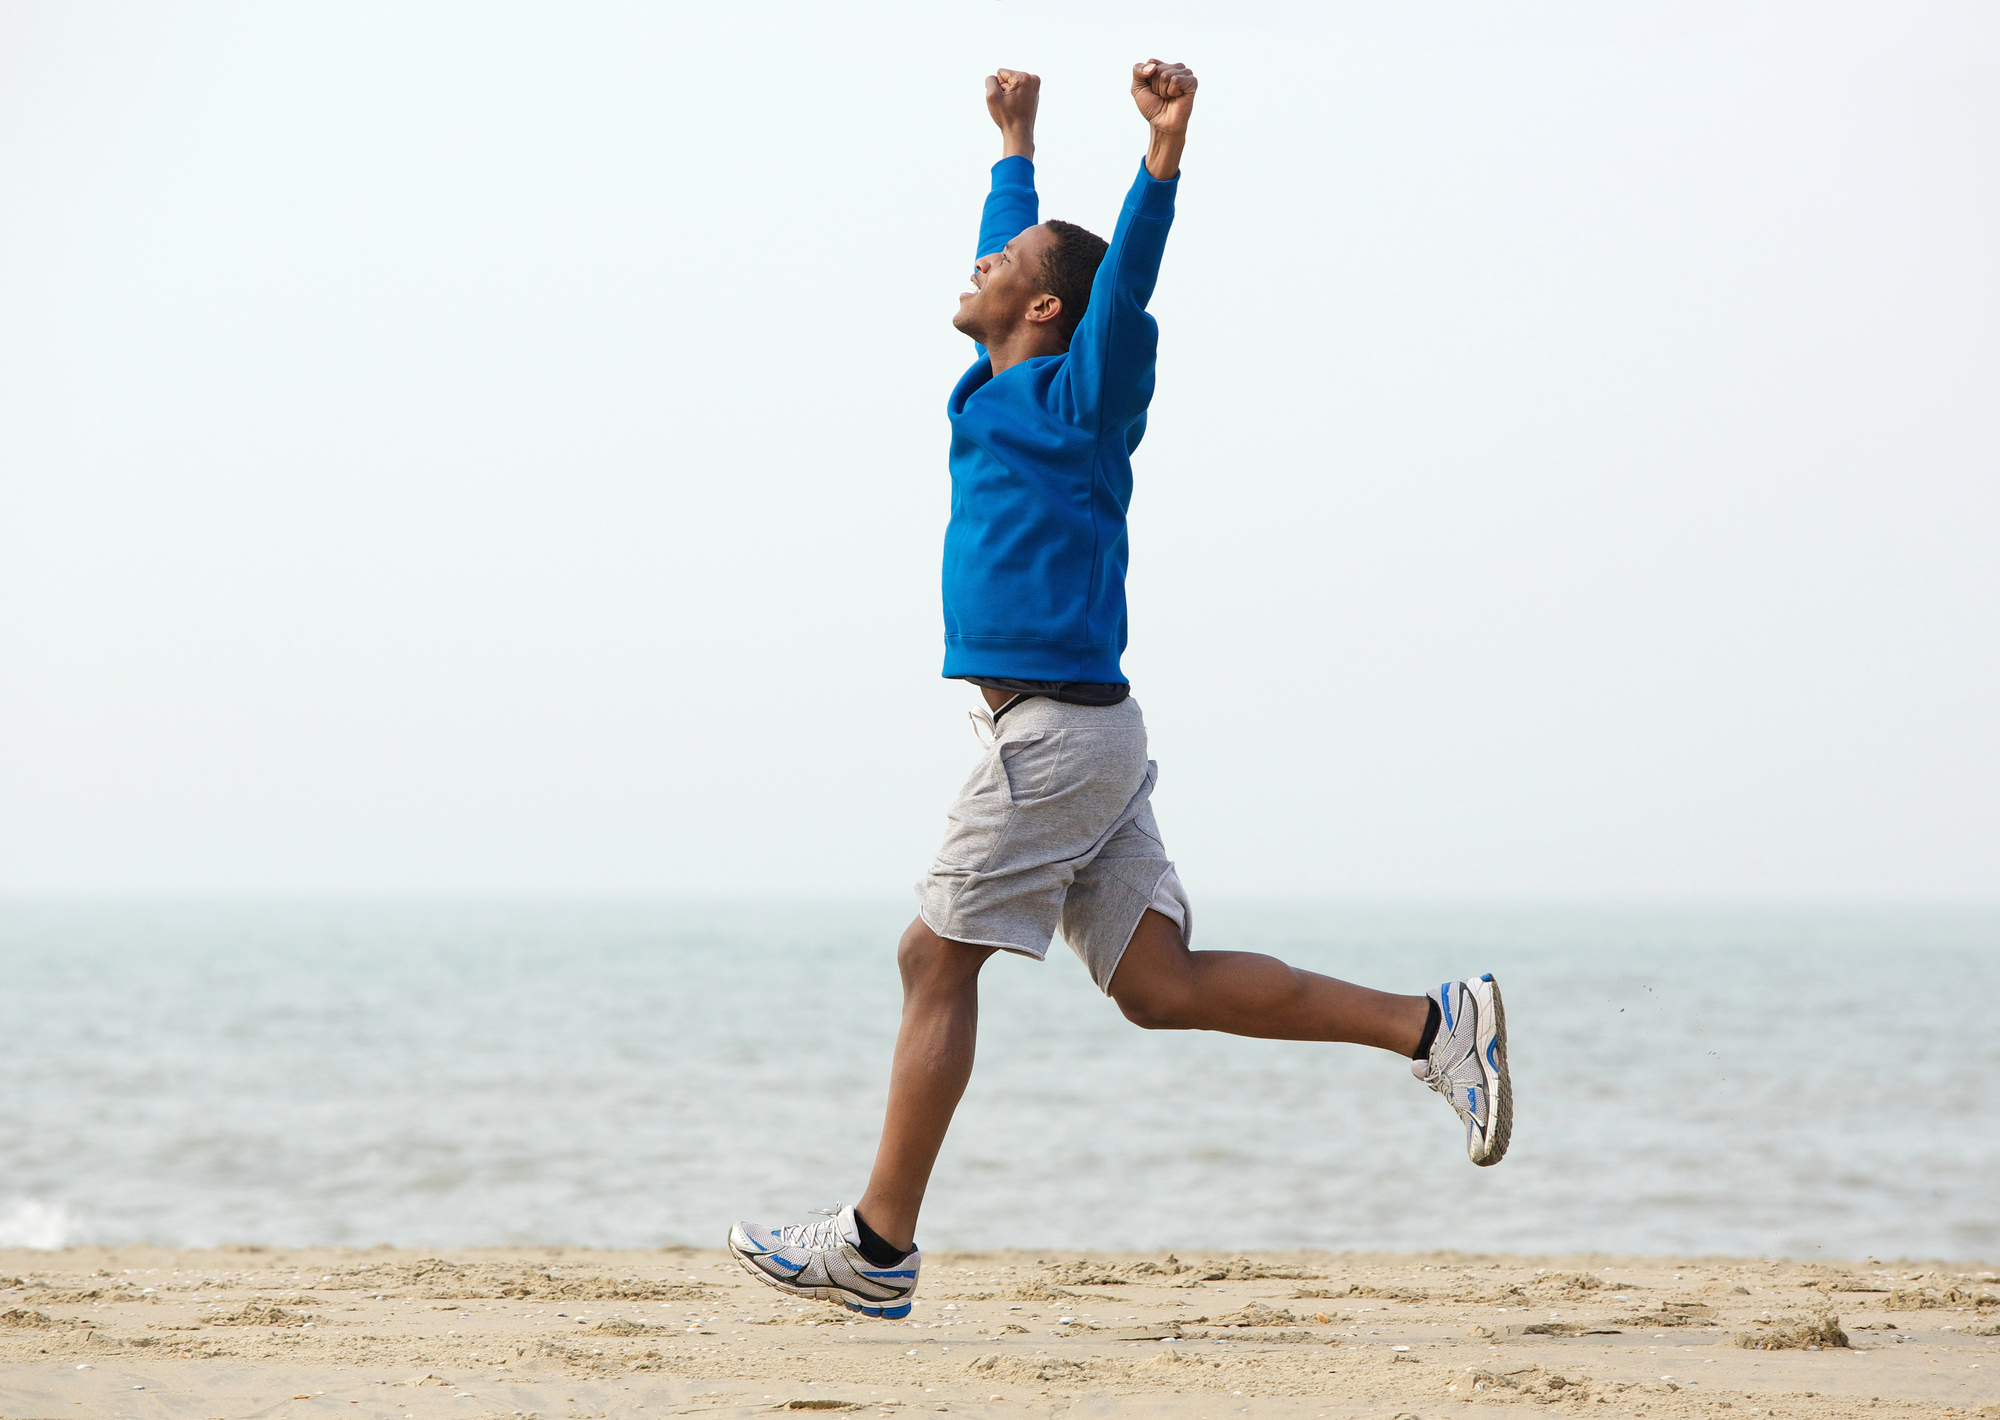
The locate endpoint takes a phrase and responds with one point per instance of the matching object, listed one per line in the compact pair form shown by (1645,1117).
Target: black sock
(878,1249)
(1431,1024)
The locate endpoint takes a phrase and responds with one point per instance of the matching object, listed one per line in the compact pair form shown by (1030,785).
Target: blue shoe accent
(1444,1000)
(1488,976)
(871,1272)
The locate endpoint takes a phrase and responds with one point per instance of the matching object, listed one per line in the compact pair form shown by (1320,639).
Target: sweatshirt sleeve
(1011,206)
(1109,372)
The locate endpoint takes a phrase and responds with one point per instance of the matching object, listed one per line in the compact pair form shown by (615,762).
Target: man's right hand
(1011,96)
(1164,92)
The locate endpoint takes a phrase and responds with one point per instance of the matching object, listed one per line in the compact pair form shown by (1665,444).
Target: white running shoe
(1468,1064)
(823,1260)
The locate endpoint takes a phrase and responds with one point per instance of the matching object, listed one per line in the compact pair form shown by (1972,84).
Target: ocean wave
(31,1223)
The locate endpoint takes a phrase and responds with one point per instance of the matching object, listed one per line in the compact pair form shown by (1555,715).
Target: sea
(1804,1081)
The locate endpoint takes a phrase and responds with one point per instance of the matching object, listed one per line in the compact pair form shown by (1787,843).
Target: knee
(917,954)
(930,962)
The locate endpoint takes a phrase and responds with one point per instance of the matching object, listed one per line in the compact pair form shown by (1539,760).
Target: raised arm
(1165,95)
(1110,366)
(1011,206)
(1011,97)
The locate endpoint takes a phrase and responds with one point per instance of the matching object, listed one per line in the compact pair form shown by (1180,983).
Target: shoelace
(1438,1077)
(820,1235)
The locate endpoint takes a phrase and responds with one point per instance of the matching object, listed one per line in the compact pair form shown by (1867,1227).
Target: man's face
(1005,288)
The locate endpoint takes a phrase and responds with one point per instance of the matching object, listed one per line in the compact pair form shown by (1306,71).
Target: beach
(552,1332)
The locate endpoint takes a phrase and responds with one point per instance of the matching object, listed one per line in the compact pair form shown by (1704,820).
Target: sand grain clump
(1254,1314)
(1911,1299)
(1822,1331)
(258,1314)
(1672,1314)
(621,1326)
(21,1316)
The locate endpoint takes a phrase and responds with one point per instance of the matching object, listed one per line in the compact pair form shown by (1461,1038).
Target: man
(1055,828)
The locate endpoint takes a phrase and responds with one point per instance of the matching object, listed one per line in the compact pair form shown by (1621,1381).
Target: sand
(559,1333)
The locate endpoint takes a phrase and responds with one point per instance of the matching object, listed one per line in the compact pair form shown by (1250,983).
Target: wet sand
(142,1332)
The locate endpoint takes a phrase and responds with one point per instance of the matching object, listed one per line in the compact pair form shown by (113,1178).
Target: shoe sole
(1499,1085)
(892,1311)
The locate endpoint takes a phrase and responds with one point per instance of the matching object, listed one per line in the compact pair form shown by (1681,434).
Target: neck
(1024,343)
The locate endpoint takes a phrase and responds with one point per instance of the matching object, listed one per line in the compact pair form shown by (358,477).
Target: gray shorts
(1055,830)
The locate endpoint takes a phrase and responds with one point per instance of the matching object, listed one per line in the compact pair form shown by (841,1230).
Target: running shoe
(824,1261)
(1468,1064)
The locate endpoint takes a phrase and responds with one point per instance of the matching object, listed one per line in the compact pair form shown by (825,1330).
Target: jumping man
(1055,828)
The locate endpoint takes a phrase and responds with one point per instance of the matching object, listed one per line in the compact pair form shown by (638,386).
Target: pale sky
(476,448)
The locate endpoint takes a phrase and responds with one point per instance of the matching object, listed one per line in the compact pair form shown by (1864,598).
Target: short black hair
(1068,268)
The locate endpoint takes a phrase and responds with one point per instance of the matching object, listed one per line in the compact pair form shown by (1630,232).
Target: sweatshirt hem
(1031,658)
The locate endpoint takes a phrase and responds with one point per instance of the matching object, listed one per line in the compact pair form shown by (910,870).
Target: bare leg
(1161,985)
(933,1062)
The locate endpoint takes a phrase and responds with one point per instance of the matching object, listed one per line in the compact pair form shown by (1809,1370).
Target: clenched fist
(1011,96)
(1164,93)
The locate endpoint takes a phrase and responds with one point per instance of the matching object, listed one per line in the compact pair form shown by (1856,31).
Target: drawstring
(986,723)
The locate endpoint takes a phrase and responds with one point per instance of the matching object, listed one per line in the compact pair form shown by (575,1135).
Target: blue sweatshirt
(1041,464)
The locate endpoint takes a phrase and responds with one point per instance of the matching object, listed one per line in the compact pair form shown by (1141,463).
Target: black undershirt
(1066,692)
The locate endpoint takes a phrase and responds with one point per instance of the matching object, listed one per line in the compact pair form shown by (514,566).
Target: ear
(1044,308)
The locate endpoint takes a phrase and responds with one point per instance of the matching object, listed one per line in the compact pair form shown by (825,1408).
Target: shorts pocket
(1029,764)
(977,817)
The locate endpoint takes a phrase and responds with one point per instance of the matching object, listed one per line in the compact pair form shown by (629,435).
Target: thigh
(1156,959)
(1041,806)
(1116,890)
